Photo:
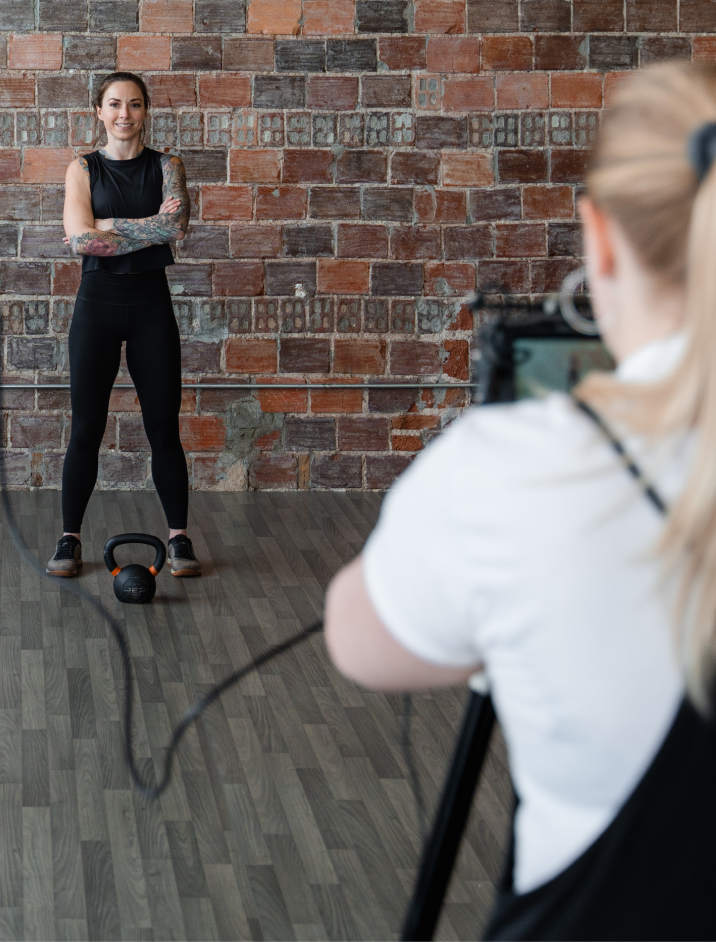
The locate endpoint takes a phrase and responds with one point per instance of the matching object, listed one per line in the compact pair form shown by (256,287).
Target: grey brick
(218,128)
(279,91)
(351,55)
(350,130)
(191,129)
(299,355)
(564,238)
(362,166)
(377,129)
(300,55)
(24,278)
(436,131)
(375,320)
(298,129)
(28,127)
(62,315)
(163,129)
(19,202)
(17,14)
(281,277)
(248,55)
(320,315)
(3,52)
(90,52)
(43,242)
(55,130)
(37,317)
(385,91)
(546,15)
(382,16)
(336,471)
(293,316)
(83,128)
(62,14)
(62,91)
(348,315)
(307,241)
(220,16)
(8,239)
(402,321)
(53,203)
(309,434)
(7,129)
(205,242)
(35,354)
(495,205)
(196,52)
(211,317)
(205,166)
(388,203)
(324,130)
(662,48)
(238,312)
(492,16)
(396,278)
(270,129)
(613,52)
(110,16)
(190,280)
(334,202)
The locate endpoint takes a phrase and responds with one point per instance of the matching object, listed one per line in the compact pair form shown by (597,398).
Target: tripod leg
(441,849)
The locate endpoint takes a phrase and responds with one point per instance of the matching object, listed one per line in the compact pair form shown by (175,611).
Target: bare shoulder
(78,173)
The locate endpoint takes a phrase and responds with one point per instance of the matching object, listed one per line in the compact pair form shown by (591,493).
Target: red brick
(340,276)
(328,17)
(45,164)
(548,274)
(503,276)
(256,241)
(274,17)
(453,54)
(17,91)
(415,422)
(166,16)
(449,278)
(171,91)
(414,358)
(248,55)
(382,470)
(36,431)
(403,52)
(339,92)
(359,357)
(469,94)
(35,51)
(576,90)
(560,52)
(522,91)
(440,206)
(281,202)
(407,167)
(307,166)
(704,49)
(457,364)
(328,401)
(363,433)
(251,356)
(66,278)
(238,279)
(439,16)
(598,15)
(255,166)
(568,166)
(356,241)
(520,241)
(554,202)
(273,471)
(224,90)
(10,166)
(406,443)
(506,53)
(408,242)
(144,52)
(523,166)
(202,432)
(612,83)
(281,400)
(468,169)
(226,202)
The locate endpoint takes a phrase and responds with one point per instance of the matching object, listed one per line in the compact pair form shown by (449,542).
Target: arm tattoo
(84,165)
(164,227)
(105,243)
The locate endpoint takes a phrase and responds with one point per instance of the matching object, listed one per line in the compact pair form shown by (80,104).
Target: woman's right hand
(170,205)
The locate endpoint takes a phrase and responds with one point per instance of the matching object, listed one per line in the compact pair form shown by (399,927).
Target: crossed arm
(89,236)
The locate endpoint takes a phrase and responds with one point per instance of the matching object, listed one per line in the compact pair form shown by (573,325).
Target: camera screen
(555,364)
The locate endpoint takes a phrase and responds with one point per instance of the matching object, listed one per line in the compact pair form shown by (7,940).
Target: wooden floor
(290,814)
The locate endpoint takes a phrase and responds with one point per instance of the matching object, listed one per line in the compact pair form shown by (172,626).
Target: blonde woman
(519,543)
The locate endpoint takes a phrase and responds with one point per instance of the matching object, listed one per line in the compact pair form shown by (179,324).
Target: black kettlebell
(134,584)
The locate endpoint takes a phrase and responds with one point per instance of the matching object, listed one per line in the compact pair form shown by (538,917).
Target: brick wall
(388,156)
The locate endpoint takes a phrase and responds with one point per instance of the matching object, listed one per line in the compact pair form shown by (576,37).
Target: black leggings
(136,309)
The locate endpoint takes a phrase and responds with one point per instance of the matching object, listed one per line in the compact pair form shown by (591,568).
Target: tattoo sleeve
(105,243)
(164,227)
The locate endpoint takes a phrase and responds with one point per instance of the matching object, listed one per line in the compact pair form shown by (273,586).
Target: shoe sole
(186,572)
(64,575)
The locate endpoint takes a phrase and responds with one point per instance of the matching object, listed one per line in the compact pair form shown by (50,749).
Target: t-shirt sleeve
(415,566)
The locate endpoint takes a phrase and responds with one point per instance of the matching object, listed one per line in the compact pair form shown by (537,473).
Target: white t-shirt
(519,540)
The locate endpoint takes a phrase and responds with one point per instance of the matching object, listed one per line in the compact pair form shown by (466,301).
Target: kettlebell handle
(114,541)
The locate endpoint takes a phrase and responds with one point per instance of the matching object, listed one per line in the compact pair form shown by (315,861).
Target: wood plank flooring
(290,814)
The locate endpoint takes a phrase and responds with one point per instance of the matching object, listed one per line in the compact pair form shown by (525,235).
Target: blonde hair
(642,178)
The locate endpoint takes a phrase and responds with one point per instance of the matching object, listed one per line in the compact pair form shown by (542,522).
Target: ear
(598,242)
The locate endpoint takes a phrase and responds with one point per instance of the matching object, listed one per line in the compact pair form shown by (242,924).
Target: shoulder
(81,167)
(169,162)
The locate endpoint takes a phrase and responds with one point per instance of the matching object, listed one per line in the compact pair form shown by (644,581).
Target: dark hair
(119,77)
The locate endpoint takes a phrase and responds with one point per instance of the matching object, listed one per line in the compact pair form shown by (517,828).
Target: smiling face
(123,111)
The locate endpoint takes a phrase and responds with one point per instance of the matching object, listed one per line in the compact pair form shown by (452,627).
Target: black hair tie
(701,149)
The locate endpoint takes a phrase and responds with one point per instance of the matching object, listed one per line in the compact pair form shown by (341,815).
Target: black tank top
(127,189)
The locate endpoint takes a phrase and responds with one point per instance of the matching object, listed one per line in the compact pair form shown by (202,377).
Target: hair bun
(701,149)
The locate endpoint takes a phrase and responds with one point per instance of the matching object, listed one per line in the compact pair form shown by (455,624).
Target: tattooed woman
(124,204)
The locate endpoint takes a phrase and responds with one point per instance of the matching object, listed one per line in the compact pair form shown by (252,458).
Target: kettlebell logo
(134,584)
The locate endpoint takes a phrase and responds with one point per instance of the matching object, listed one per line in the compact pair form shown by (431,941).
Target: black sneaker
(67,559)
(181,557)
